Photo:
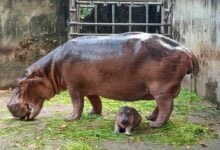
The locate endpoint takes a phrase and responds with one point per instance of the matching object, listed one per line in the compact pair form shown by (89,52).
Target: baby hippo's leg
(117,128)
(128,130)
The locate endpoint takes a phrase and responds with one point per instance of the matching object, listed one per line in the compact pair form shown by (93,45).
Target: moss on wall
(28,30)
(196,25)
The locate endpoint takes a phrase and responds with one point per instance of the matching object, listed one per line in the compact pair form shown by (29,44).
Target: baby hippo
(126,119)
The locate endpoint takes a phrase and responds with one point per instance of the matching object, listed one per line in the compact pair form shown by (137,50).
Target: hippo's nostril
(18,110)
(13,107)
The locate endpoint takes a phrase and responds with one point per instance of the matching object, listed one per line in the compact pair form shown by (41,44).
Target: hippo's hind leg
(153,115)
(78,104)
(164,96)
(96,104)
(165,107)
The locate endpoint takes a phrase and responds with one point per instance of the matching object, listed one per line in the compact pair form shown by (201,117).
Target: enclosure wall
(28,30)
(196,24)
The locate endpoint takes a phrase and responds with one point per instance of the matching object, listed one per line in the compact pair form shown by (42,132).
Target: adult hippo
(126,67)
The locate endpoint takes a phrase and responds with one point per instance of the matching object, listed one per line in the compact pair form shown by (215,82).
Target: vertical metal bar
(131,3)
(162,16)
(91,3)
(170,16)
(105,3)
(147,13)
(78,17)
(70,4)
(130,17)
(113,18)
(73,16)
(118,4)
(96,18)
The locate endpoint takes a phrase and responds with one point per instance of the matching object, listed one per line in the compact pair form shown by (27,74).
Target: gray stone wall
(196,24)
(28,30)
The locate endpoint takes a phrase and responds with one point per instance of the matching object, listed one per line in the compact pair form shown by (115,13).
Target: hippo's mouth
(30,109)
(27,111)
(27,115)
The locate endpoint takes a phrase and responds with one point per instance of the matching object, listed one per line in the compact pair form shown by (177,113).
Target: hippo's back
(100,47)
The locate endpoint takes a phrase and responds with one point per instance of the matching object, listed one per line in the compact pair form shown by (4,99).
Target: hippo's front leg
(78,104)
(96,104)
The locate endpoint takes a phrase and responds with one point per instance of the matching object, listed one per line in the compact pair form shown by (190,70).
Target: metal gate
(97,26)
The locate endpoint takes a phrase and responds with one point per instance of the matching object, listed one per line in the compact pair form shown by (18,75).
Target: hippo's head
(28,98)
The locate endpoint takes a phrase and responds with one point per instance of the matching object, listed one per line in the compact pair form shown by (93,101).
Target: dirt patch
(212,145)
(134,146)
(210,118)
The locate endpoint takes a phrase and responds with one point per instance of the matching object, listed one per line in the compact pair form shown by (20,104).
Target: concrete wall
(28,30)
(196,24)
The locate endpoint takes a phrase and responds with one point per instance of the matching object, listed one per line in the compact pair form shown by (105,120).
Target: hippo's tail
(195,63)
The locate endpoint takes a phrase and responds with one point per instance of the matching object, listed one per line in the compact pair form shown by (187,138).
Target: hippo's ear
(21,84)
(33,72)
(22,81)
(38,72)
(31,75)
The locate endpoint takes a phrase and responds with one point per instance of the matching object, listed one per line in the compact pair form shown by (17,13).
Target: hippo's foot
(72,118)
(93,112)
(154,124)
(153,115)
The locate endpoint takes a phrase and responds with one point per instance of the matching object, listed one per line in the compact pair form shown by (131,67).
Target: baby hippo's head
(125,116)
(126,119)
